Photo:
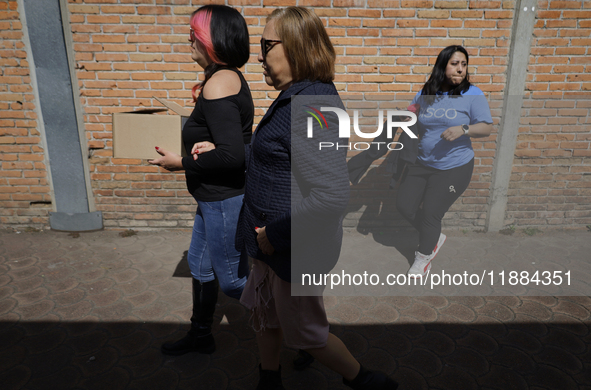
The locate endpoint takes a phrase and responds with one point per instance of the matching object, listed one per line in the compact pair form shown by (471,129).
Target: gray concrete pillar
(519,52)
(46,27)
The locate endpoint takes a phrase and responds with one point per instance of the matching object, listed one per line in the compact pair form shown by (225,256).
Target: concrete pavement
(90,311)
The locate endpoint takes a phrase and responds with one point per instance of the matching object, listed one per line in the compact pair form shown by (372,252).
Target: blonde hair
(306,43)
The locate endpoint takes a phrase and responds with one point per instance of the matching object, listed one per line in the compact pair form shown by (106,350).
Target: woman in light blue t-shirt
(452,111)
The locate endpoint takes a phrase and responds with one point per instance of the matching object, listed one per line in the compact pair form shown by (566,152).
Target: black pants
(436,190)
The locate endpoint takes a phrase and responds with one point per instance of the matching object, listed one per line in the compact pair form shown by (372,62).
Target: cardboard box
(137,133)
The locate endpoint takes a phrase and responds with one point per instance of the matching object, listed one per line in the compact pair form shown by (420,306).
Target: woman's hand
(452,133)
(200,148)
(263,241)
(169,160)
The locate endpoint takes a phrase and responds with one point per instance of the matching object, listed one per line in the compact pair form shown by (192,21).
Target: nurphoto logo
(394,119)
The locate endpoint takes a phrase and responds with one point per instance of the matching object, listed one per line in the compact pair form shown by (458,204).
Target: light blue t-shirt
(437,114)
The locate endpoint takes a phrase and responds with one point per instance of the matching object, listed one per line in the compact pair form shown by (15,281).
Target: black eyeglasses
(267,45)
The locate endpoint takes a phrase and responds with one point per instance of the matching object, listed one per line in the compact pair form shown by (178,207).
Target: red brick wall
(128,51)
(393,52)
(551,180)
(25,197)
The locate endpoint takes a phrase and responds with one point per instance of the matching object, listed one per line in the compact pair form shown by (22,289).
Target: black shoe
(369,380)
(190,343)
(303,360)
(270,380)
(199,338)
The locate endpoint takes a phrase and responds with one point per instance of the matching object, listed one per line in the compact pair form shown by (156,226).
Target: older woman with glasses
(298,60)
(288,184)
(223,115)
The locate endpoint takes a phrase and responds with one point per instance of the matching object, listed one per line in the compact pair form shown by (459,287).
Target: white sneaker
(420,267)
(422,263)
(442,238)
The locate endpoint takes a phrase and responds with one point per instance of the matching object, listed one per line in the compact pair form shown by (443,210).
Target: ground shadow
(444,356)
(182,269)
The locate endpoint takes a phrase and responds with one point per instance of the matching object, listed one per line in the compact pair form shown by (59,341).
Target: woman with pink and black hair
(223,116)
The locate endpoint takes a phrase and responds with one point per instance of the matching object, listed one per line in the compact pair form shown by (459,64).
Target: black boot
(270,380)
(368,380)
(199,337)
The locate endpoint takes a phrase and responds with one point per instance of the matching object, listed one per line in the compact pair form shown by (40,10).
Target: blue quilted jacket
(297,193)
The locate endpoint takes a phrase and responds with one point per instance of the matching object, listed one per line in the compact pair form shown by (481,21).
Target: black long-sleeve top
(227,123)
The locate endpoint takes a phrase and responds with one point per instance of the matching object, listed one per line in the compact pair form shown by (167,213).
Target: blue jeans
(212,253)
